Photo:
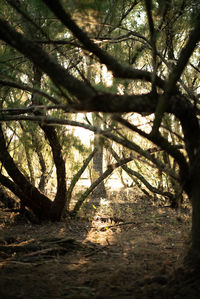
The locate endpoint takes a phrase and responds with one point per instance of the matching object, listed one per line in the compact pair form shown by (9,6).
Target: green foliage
(97,5)
(38,7)
(102,87)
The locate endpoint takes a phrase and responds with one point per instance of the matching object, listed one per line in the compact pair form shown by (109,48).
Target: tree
(158,60)
(97,166)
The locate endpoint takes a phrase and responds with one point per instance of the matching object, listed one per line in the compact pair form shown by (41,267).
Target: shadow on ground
(133,249)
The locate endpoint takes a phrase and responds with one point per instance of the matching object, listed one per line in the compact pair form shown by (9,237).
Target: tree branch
(175,74)
(78,175)
(118,70)
(164,144)
(58,74)
(25,87)
(106,173)
(141,178)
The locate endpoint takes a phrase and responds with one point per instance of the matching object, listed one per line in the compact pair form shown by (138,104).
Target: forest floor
(133,249)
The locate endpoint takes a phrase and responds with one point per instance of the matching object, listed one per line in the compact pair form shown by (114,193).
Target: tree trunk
(43,168)
(28,194)
(97,167)
(60,198)
(51,135)
(100,190)
(191,183)
(194,252)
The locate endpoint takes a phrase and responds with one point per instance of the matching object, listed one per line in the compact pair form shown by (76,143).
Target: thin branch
(124,15)
(148,4)
(25,87)
(106,173)
(17,6)
(175,74)
(119,70)
(47,63)
(161,142)
(77,176)
(33,109)
(106,133)
(141,178)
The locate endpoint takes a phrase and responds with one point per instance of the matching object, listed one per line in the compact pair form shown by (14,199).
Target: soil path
(129,251)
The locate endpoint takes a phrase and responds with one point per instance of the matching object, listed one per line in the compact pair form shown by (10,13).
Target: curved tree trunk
(28,194)
(60,198)
(51,136)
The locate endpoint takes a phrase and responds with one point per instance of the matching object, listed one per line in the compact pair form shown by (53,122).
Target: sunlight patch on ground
(114,184)
(95,235)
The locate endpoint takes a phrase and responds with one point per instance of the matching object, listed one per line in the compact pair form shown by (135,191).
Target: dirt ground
(132,249)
